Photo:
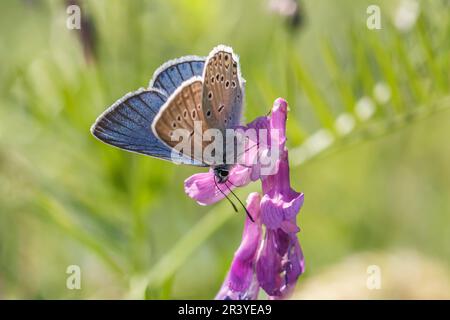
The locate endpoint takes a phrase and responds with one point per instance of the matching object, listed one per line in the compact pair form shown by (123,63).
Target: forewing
(182,117)
(223,89)
(173,73)
(127,125)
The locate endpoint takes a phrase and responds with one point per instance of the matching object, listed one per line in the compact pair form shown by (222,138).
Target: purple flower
(274,261)
(240,283)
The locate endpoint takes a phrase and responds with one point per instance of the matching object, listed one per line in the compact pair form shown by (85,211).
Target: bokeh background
(368,130)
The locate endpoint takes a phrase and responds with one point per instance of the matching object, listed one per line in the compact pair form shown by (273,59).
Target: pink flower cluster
(270,256)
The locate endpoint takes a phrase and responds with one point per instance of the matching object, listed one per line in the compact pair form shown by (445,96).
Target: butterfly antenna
(229,200)
(243,206)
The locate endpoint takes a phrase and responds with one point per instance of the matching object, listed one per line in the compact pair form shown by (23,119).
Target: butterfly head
(222,172)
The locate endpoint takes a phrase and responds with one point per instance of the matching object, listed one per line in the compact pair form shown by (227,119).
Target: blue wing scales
(127,125)
(173,73)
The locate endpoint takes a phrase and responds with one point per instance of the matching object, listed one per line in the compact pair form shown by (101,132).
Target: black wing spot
(184,113)
(221,107)
(210,95)
(227,84)
(233,84)
(221,78)
(208,113)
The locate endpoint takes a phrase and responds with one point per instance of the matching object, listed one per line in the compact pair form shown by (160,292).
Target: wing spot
(221,78)
(198,106)
(217,77)
(179,118)
(174,124)
(208,113)
(184,113)
(210,95)
(233,84)
(221,107)
(194,114)
(227,84)
(212,80)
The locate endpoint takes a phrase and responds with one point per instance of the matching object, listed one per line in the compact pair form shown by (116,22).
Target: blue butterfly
(208,90)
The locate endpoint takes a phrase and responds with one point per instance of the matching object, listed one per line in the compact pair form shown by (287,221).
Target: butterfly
(191,93)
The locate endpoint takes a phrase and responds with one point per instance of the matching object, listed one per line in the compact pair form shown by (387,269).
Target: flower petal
(240,282)
(268,266)
(202,188)
(271,212)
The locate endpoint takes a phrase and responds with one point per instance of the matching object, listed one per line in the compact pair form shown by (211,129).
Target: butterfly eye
(223,174)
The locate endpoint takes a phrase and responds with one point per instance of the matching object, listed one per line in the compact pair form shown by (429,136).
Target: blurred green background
(368,130)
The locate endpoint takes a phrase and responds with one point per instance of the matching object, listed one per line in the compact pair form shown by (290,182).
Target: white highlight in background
(406,15)
(365,108)
(382,92)
(344,124)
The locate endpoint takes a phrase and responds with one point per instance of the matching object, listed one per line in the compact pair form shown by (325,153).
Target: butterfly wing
(223,89)
(183,111)
(127,125)
(173,73)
